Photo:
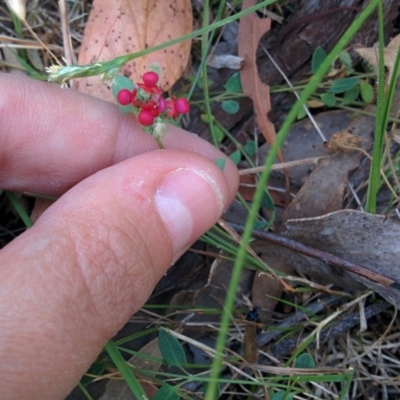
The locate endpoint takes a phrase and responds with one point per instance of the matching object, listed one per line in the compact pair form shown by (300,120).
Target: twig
(328,258)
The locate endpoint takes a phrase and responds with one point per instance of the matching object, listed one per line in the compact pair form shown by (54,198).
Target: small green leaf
(318,58)
(233,84)
(367,92)
(236,156)
(343,85)
(262,225)
(328,99)
(351,95)
(220,163)
(200,83)
(267,201)
(345,58)
(118,83)
(204,118)
(304,360)
(230,106)
(282,395)
(219,133)
(171,350)
(167,392)
(250,148)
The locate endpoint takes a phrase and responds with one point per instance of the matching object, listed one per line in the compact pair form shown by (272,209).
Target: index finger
(52,138)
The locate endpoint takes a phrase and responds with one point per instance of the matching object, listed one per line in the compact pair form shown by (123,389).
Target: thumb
(92,259)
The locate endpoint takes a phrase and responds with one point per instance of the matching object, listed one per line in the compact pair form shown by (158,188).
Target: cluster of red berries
(147,98)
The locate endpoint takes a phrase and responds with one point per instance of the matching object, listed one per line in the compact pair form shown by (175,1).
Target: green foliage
(219,134)
(318,58)
(345,58)
(125,370)
(259,194)
(220,163)
(233,84)
(230,106)
(351,95)
(329,99)
(236,156)
(343,85)
(118,83)
(282,395)
(250,148)
(167,392)
(171,350)
(367,92)
(267,201)
(304,360)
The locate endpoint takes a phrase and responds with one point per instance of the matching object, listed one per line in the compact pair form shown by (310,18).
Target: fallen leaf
(251,29)
(371,241)
(324,189)
(121,27)
(371,55)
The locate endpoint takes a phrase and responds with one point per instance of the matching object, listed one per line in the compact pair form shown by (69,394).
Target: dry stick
(288,164)
(287,346)
(328,258)
(66,34)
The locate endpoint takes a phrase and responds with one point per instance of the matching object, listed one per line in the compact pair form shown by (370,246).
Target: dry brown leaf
(345,142)
(251,29)
(120,27)
(371,241)
(371,55)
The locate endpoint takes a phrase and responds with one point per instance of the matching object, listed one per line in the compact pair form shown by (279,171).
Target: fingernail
(189,203)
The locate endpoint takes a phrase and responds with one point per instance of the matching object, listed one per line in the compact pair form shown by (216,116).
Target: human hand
(127,211)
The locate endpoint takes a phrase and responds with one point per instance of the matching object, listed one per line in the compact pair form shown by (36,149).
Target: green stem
(374,173)
(160,143)
(125,370)
(237,269)
(19,209)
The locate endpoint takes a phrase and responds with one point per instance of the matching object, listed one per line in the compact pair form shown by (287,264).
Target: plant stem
(237,269)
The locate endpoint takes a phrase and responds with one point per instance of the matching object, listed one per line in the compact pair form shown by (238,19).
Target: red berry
(182,105)
(124,97)
(150,78)
(146,118)
(162,104)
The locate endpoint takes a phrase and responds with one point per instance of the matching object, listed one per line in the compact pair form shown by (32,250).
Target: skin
(126,212)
